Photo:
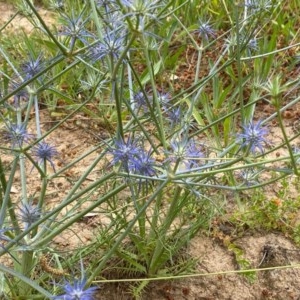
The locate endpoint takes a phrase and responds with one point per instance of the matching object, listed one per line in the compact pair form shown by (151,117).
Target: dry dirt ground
(260,249)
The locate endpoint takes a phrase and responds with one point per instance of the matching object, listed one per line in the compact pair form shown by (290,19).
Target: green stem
(27,266)
(285,137)
(96,19)
(118,101)
(154,221)
(56,210)
(200,50)
(25,279)
(56,42)
(162,234)
(160,127)
(21,158)
(44,240)
(239,65)
(26,83)
(37,115)
(7,204)
(125,233)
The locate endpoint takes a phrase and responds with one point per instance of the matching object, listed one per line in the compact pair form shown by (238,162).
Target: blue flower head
(174,115)
(125,152)
(143,164)
(44,152)
(187,152)
(74,27)
(29,214)
(111,46)
(164,99)
(57,5)
(253,136)
(77,291)
(258,5)
(249,176)
(252,44)
(296,152)
(21,97)
(143,7)
(140,102)
(205,31)
(17,135)
(32,66)
(132,157)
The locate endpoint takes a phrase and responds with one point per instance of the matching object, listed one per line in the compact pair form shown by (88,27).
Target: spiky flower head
(17,135)
(74,27)
(20,98)
(111,46)
(29,213)
(143,164)
(205,31)
(57,5)
(249,176)
(77,291)
(186,152)
(296,152)
(143,7)
(252,44)
(32,67)
(174,115)
(258,5)
(125,151)
(132,157)
(140,102)
(164,99)
(253,137)
(44,152)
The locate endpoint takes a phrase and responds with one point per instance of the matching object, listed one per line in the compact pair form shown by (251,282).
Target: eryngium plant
(166,155)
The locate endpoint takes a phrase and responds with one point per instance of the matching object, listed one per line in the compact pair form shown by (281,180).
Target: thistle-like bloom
(164,99)
(245,43)
(174,115)
(20,98)
(77,291)
(74,27)
(57,5)
(205,31)
(143,164)
(143,7)
(17,135)
(32,67)
(111,45)
(249,176)
(140,12)
(125,152)
(45,152)
(253,136)
(252,44)
(187,152)
(29,214)
(258,5)
(140,102)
